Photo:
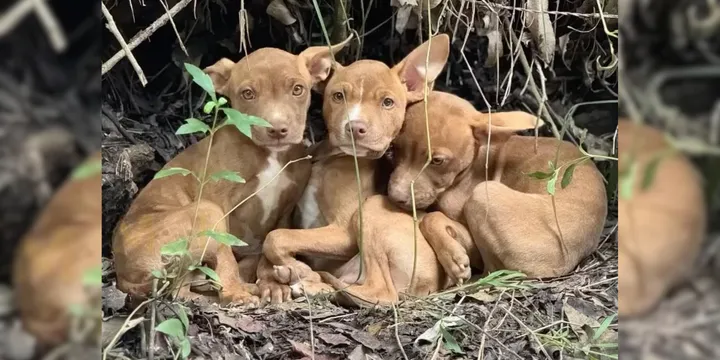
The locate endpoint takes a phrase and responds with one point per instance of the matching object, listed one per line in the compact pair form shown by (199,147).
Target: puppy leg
(378,287)
(282,245)
(452,244)
(233,289)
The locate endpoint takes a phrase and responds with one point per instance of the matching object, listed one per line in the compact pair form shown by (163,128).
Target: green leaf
(551,184)
(604,326)
(175,248)
(568,175)
(541,175)
(202,79)
(227,175)
(651,170)
(172,171)
(210,273)
(192,125)
(158,274)
(76,310)
(182,315)
(243,121)
(224,238)
(222,101)
(209,106)
(185,348)
(171,327)
(450,342)
(87,169)
(92,277)
(551,165)
(627,181)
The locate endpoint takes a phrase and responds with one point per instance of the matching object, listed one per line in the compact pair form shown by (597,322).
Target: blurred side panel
(49,176)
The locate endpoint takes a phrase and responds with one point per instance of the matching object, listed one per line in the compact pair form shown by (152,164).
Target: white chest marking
(310,216)
(270,195)
(355,110)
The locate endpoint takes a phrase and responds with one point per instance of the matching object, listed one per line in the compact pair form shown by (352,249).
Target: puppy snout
(358,128)
(399,197)
(278,132)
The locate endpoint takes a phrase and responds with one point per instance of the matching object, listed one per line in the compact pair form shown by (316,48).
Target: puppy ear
(318,60)
(220,74)
(320,86)
(413,72)
(501,126)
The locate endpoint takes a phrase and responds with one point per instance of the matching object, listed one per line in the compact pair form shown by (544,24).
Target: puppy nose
(358,128)
(279,132)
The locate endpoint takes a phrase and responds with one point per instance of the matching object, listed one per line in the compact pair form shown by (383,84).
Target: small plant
(179,260)
(591,345)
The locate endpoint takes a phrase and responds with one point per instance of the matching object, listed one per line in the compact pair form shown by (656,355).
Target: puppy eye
(298,90)
(437,161)
(338,96)
(388,103)
(248,94)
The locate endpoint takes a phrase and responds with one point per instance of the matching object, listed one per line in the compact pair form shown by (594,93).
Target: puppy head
(366,101)
(274,85)
(457,131)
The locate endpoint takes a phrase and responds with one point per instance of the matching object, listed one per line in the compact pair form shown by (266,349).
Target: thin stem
(429,145)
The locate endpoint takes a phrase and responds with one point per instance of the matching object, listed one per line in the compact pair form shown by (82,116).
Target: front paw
(292,273)
(239,296)
(310,288)
(457,266)
(273,292)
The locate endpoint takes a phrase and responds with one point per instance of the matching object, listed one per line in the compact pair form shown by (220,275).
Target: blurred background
(49,124)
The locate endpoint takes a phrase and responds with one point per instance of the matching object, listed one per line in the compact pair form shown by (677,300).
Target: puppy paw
(457,266)
(292,273)
(273,292)
(311,288)
(239,296)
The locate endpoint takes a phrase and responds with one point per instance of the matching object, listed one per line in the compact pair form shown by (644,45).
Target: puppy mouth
(275,144)
(363,150)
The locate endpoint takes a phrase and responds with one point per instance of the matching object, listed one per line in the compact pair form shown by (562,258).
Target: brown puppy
(367,101)
(509,214)
(268,83)
(46,284)
(660,228)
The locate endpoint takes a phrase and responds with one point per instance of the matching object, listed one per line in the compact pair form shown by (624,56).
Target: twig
(310,318)
(542,348)
(17,13)
(118,126)
(144,34)
(397,334)
(127,51)
(153,309)
(533,86)
(594,15)
(180,40)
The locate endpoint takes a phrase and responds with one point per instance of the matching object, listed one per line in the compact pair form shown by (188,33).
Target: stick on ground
(143,35)
(126,50)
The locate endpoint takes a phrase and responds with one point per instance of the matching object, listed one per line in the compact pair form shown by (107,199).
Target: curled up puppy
(661,224)
(57,254)
(508,214)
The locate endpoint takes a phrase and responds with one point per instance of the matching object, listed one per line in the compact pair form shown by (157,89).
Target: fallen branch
(126,50)
(17,13)
(144,34)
